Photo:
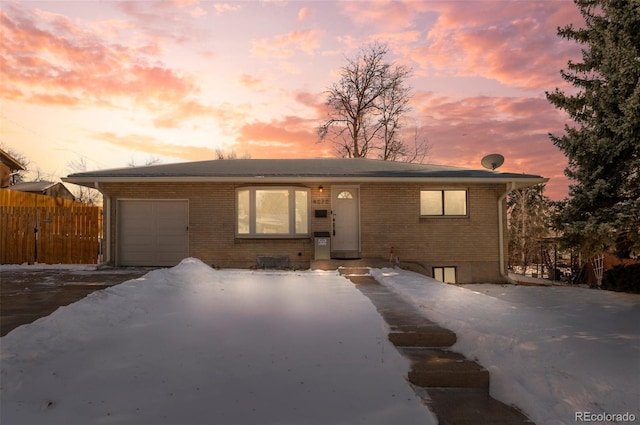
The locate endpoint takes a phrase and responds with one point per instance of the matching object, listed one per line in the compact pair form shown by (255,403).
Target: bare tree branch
(152,160)
(222,154)
(367,107)
(82,193)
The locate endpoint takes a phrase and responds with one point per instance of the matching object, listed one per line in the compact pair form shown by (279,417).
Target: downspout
(106,225)
(501,199)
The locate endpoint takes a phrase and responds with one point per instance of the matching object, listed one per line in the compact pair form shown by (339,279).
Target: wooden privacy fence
(43,229)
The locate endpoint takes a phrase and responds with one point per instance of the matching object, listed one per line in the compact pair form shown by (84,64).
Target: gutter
(501,199)
(106,225)
(90,181)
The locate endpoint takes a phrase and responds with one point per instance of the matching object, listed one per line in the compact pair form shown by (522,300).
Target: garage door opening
(152,232)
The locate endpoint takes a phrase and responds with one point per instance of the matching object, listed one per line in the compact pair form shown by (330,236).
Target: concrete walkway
(455,388)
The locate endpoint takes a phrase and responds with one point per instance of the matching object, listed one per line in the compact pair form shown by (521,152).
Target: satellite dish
(492,161)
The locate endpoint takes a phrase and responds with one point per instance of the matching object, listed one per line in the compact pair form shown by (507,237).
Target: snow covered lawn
(552,351)
(192,345)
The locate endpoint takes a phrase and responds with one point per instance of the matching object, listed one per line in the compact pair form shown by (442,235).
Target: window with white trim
(272,212)
(445,274)
(443,202)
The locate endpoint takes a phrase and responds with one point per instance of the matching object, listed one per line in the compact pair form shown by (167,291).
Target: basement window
(445,274)
(443,203)
(272,212)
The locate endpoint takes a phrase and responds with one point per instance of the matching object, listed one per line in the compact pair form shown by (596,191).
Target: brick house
(229,213)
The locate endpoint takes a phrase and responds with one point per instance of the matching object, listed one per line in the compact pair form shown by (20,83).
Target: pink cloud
(303,14)
(45,58)
(462,131)
(152,146)
(483,39)
(165,19)
(198,12)
(178,115)
(476,38)
(314,101)
(250,81)
(184,3)
(398,41)
(386,15)
(112,29)
(290,129)
(290,137)
(222,8)
(283,46)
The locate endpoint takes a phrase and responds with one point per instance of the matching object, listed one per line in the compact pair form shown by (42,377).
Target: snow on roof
(40,186)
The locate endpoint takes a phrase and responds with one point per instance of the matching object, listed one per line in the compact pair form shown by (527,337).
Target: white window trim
(444,268)
(292,216)
(443,215)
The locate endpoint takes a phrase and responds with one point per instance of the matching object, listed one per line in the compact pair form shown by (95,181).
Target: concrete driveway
(28,293)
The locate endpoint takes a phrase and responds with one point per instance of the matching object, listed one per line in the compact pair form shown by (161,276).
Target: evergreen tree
(603,208)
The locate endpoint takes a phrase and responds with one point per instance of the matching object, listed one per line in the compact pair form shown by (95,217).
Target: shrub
(622,279)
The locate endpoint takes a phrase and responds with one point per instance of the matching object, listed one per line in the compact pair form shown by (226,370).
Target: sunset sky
(122,82)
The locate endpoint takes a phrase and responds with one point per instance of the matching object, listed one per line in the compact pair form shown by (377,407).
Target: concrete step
(456,389)
(470,406)
(361,279)
(353,271)
(408,326)
(422,336)
(444,369)
(398,313)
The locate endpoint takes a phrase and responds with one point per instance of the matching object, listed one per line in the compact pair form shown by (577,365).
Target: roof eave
(13,164)
(91,181)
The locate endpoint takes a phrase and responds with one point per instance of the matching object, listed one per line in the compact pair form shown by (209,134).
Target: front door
(345,234)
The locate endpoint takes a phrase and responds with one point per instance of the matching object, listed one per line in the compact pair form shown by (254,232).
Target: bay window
(272,212)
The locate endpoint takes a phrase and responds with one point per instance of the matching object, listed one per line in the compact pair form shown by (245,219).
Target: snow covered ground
(553,351)
(192,345)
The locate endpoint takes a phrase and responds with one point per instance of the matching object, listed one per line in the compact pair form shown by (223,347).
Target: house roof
(40,186)
(299,170)
(55,189)
(10,161)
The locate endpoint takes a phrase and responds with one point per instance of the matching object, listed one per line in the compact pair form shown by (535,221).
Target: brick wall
(389,217)
(468,243)
(211,224)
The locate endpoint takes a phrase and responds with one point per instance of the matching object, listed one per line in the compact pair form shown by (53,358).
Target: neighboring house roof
(54,189)
(10,161)
(40,186)
(321,169)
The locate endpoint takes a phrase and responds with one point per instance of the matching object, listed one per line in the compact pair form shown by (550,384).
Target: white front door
(345,209)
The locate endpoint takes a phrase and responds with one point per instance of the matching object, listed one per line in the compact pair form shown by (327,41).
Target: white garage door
(152,232)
